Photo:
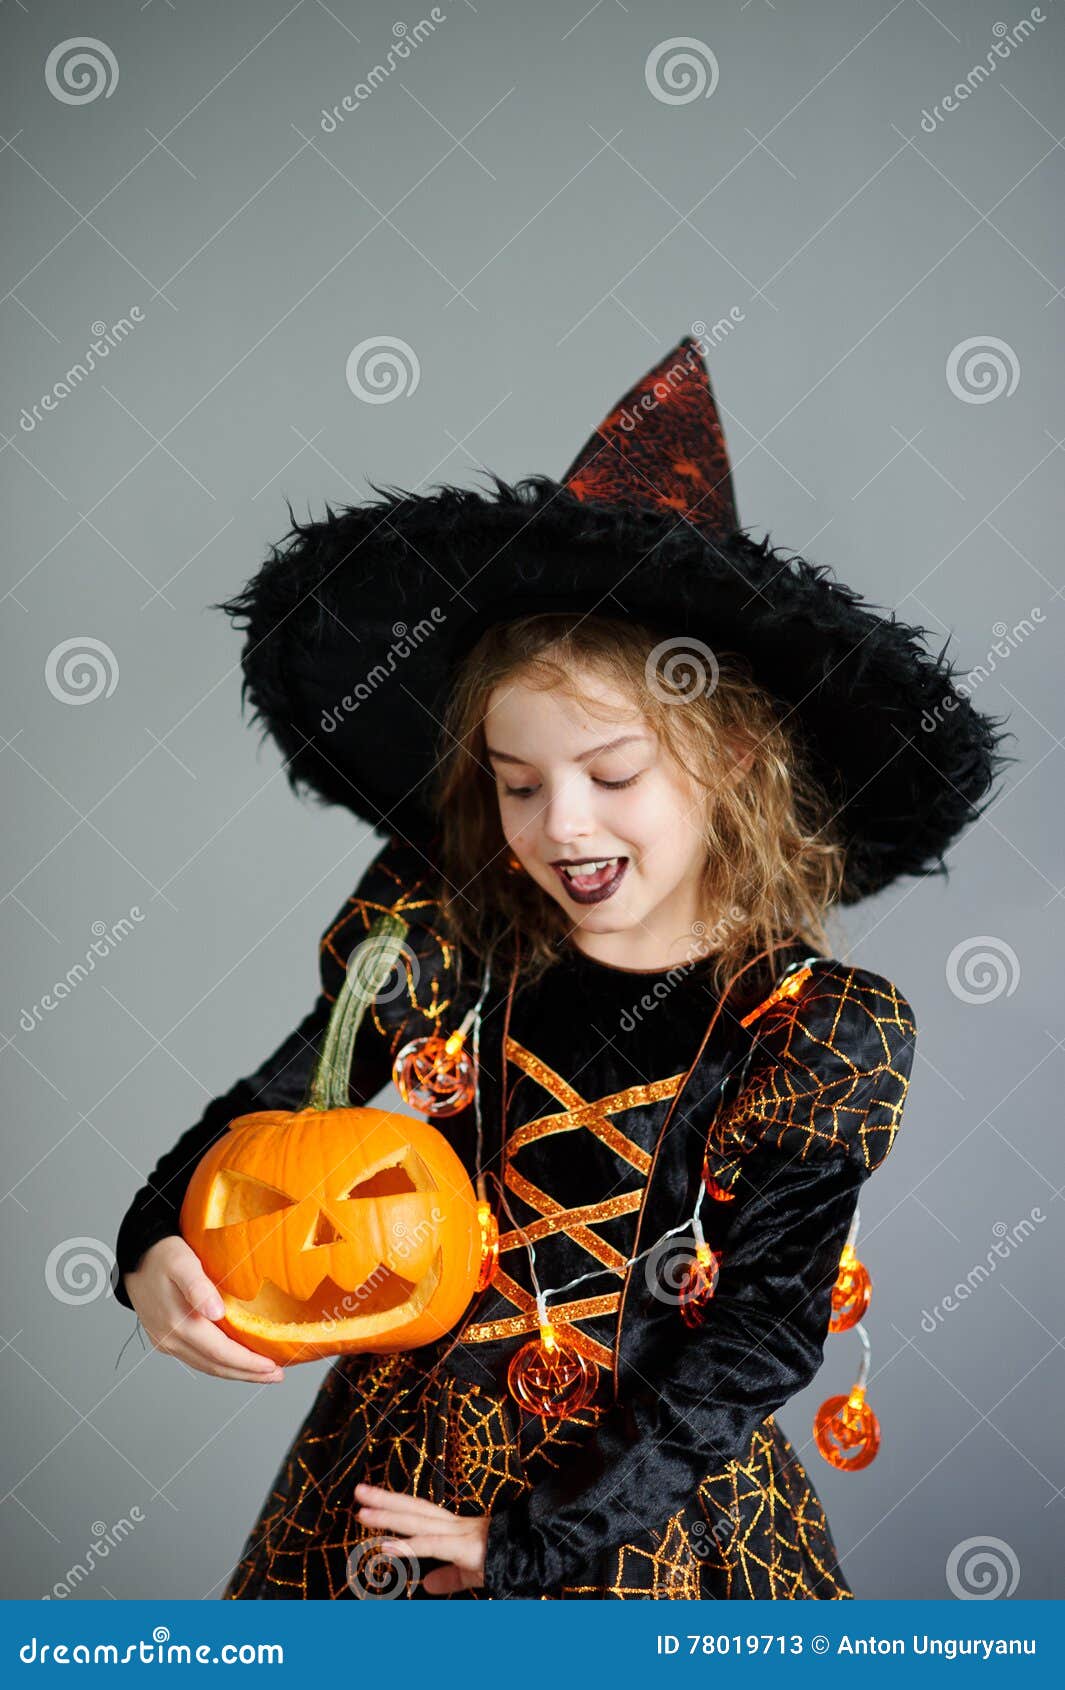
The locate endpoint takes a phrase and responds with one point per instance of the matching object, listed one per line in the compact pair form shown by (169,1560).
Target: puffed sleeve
(818,1111)
(399,881)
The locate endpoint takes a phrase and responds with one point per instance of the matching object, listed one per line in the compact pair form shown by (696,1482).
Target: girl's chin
(609,917)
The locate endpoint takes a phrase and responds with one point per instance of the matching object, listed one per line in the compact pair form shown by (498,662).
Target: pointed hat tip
(662,447)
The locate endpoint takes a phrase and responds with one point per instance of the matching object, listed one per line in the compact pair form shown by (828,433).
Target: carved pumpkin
(332,1230)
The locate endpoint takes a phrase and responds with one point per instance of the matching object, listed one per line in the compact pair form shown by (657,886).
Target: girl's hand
(433,1531)
(178,1305)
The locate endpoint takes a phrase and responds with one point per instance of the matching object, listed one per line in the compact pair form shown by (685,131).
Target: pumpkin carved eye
(409,1175)
(237,1197)
(241,1197)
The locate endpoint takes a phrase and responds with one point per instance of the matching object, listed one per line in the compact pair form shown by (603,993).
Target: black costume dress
(583,1067)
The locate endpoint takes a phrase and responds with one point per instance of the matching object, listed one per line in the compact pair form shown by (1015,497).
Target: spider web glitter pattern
(831,1072)
(754,1530)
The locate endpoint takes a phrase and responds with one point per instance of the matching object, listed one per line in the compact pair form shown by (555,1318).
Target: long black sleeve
(819,1114)
(391,882)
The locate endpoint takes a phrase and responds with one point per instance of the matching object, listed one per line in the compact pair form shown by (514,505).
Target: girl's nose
(566,814)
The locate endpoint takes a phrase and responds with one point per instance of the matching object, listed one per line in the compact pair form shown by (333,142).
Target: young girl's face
(569,794)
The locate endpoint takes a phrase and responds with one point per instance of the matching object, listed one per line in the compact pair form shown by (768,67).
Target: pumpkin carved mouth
(381,1300)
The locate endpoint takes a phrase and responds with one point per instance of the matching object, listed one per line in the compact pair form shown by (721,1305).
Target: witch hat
(355,626)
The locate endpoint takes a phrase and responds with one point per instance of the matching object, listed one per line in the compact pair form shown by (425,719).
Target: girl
(628,761)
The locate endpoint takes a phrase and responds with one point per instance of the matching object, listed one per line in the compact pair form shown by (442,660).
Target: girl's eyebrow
(582,757)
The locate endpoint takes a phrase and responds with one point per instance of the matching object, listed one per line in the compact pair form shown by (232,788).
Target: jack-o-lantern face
(334,1231)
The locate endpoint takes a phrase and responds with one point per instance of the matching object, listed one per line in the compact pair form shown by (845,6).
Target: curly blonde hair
(773,866)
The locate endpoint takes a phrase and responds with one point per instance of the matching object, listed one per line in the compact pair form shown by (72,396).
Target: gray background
(517,206)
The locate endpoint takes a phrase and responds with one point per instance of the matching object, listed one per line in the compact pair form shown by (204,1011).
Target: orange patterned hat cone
(663,446)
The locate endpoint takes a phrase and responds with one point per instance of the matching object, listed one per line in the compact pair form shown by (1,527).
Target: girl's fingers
(439,1546)
(443,1580)
(198,1290)
(207,1343)
(401,1504)
(393,1520)
(215,1372)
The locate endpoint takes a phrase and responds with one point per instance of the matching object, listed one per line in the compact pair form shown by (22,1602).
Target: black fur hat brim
(354,626)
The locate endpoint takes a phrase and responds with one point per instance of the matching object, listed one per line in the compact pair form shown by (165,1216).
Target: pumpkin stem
(366,973)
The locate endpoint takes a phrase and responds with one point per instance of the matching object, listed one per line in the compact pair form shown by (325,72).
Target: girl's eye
(611,785)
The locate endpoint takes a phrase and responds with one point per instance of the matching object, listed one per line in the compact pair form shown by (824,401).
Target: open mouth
(591,882)
(384,1301)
